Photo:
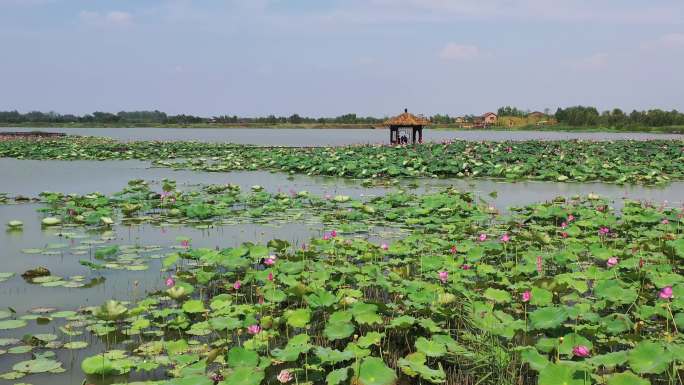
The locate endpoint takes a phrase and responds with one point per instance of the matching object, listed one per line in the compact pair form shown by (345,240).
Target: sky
(331,57)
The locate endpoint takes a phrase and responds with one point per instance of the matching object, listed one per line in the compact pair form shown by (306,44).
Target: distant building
(488,119)
(536,115)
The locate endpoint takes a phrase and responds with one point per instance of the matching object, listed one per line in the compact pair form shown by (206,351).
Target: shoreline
(313,126)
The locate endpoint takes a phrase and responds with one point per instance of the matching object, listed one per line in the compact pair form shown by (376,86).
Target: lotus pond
(206,282)
(430,288)
(634,162)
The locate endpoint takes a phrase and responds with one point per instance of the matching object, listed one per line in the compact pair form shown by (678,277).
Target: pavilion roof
(407,119)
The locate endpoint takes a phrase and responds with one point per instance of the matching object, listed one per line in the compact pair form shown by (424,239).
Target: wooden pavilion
(406,128)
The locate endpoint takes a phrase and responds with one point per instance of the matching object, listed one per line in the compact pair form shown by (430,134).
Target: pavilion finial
(405,109)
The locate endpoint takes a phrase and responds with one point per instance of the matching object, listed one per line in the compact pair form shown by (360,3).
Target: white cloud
(453,51)
(118,17)
(594,62)
(25,2)
(672,40)
(612,11)
(668,41)
(112,18)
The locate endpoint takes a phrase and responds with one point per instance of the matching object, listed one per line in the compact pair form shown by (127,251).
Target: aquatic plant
(626,161)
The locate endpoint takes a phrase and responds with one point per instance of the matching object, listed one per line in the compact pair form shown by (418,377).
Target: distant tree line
(511,111)
(572,116)
(590,116)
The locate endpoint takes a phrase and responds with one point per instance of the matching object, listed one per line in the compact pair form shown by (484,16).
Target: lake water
(330,137)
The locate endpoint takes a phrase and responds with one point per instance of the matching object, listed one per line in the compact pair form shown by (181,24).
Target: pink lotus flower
(326,237)
(482,237)
(465,267)
(505,238)
(254,329)
(271,260)
(237,285)
(384,246)
(303,246)
(571,218)
(453,250)
(216,377)
(526,296)
(185,243)
(580,351)
(604,231)
(665,221)
(170,282)
(270,276)
(564,225)
(328,197)
(443,276)
(509,150)
(600,208)
(333,233)
(539,264)
(284,376)
(612,261)
(564,234)
(666,293)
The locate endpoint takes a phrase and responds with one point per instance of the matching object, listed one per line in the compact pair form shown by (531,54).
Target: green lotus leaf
(98,365)
(338,330)
(430,348)
(40,365)
(548,317)
(365,313)
(498,296)
(572,340)
(609,360)
(51,221)
(241,357)
(15,224)
(12,324)
(613,291)
(649,357)
(298,318)
(332,356)
(678,247)
(75,345)
(193,306)
(562,374)
(627,378)
(532,357)
(541,297)
(372,338)
(244,376)
(191,380)
(111,310)
(337,376)
(373,371)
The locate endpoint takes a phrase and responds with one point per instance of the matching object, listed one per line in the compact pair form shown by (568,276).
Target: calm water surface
(330,137)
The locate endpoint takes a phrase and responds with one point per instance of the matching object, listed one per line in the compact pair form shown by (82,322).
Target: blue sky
(325,58)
